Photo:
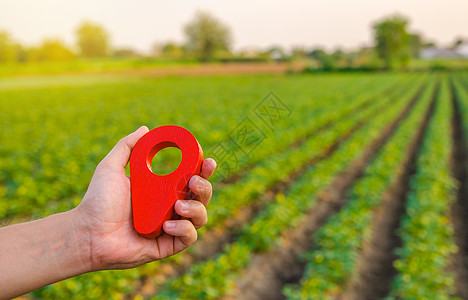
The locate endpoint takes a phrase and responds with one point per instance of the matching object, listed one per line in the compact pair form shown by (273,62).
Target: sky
(139,24)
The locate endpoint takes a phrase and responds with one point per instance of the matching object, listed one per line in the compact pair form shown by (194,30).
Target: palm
(115,241)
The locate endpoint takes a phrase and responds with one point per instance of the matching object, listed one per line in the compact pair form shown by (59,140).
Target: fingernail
(170,224)
(141,128)
(215,163)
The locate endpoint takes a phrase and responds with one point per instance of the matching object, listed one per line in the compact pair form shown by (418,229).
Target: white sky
(140,23)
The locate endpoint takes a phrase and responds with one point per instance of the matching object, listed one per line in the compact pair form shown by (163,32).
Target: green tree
(93,40)
(298,52)
(7,48)
(206,35)
(52,50)
(392,41)
(416,44)
(316,53)
(21,53)
(325,61)
(277,53)
(429,44)
(458,41)
(172,50)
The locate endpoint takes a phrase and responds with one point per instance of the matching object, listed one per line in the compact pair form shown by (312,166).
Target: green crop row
(461,85)
(222,205)
(327,110)
(331,263)
(426,231)
(265,173)
(120,281)
(216,277)
(68,129)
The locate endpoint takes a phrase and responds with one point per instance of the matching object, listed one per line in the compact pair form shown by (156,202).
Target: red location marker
(153,196)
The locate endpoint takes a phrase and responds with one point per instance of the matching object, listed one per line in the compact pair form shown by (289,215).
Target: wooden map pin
(154,196)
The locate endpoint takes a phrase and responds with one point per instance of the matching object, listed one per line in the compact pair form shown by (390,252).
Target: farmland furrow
(459,209)
(265,231)
(328,271)
(213,240)
(317,114)
(326,125)
(375,270)
(257,182)
(28,176)
(283,265)
(428,245)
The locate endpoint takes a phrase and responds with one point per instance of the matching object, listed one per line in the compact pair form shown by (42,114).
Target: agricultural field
(329,186)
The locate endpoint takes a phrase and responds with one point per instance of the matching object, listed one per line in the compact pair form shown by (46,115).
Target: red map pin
(154,196)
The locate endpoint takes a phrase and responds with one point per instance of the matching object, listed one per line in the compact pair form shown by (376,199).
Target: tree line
(92,42)
(207,39)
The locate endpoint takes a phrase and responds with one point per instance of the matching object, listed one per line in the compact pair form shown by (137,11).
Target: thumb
(119,156)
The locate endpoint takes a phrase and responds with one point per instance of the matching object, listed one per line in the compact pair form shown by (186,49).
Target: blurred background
(339,128)
(335,35)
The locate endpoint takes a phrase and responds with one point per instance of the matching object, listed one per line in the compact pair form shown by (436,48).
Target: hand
(106,214)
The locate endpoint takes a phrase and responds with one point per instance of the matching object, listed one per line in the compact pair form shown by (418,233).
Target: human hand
(105,214)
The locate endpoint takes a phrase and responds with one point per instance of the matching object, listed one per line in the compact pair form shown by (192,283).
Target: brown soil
(270,271)
(459,209)
(375,270)
(213,69)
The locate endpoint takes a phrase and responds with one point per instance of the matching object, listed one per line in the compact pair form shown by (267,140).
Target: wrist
(81,236)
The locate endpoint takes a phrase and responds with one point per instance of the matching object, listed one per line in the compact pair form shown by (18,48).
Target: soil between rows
(375,270)
(459,210)
(270,271)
